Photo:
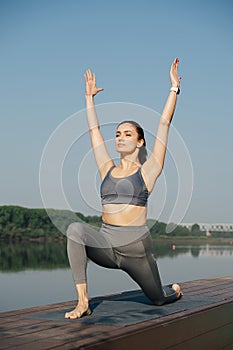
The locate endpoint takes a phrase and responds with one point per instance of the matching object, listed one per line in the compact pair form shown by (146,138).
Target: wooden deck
(208,327)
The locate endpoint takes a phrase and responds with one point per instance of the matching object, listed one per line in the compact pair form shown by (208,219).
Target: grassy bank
(193,239)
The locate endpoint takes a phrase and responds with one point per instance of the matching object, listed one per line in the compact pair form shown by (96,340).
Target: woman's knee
(158,302)
(75,231)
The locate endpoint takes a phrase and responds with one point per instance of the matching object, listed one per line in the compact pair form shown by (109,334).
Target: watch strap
(175,89)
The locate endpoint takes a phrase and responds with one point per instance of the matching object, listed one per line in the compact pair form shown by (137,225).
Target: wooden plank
(35,309)
(217,323)
(214,340)
(184,328)
(206,287)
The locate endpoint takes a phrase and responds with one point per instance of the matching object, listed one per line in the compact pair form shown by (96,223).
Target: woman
(123,242)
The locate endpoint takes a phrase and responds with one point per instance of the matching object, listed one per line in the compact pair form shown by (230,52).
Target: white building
(210,227)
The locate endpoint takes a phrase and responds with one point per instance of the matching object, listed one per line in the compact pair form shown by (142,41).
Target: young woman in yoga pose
(123,241)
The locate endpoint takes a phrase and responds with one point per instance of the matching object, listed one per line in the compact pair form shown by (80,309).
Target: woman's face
(127,138)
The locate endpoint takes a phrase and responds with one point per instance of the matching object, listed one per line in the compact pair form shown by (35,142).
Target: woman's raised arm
(152,168)
(102,157)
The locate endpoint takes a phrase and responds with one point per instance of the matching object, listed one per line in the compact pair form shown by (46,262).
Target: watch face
(177,90)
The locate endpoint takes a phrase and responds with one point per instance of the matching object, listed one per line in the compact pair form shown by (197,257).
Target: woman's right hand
(91,89)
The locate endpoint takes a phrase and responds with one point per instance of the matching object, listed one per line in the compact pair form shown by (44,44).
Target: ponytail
(142,154)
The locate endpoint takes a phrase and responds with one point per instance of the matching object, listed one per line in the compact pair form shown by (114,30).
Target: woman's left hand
(175,79)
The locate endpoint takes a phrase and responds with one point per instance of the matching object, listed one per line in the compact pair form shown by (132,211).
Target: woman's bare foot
(82,309)
(177,288)
(78,312)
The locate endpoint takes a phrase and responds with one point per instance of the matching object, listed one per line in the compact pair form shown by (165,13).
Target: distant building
(210,227)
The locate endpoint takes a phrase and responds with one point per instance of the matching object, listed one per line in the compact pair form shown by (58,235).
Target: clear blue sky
(46,46)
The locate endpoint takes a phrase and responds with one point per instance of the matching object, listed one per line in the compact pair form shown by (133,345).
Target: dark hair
(142,155)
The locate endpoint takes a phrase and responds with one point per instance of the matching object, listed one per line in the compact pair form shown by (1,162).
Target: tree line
(25,223)
(18,222)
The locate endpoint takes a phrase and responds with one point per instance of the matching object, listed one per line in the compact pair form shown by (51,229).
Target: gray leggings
(128,248)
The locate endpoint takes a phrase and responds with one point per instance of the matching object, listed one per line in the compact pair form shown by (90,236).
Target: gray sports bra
(124,190)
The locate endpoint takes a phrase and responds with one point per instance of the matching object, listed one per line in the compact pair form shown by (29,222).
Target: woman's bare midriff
(124,215)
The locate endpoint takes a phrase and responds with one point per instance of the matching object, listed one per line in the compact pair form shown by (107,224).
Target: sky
(46,47)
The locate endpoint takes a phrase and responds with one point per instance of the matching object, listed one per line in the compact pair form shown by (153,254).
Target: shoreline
(199,240)
(160,239)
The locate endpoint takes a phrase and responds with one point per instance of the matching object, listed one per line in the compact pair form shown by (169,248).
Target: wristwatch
(176,89)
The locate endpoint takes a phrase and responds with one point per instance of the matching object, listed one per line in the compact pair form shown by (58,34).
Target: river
(38,273)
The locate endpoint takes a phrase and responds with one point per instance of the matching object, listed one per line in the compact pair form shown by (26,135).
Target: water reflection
(196,250)
(20,256)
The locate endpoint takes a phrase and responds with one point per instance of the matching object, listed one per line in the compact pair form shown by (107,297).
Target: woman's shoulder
(106,172)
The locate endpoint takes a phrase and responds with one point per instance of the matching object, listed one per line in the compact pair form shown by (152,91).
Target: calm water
(38,273)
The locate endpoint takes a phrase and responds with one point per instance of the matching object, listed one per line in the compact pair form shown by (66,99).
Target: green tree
(195,228)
